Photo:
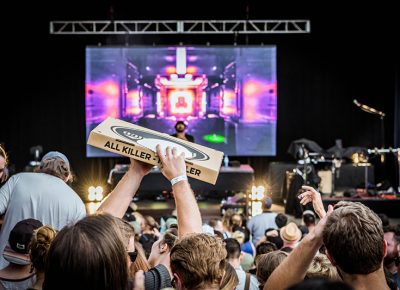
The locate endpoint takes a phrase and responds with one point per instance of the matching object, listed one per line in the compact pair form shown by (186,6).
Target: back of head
(321,267)
(265,248)
(19,239)
(232,247)
(40,245)
(198,260)
(230,279)
(267,263)
(21,235)
(309,218)
(88,255)
(57,164)
(353,236)
(281,220)
(267,203)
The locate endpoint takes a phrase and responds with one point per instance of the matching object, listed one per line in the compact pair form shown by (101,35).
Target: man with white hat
(42,195)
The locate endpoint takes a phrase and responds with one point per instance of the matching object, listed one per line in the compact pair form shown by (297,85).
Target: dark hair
(265,248)
(170,237)
(384,218)
(281,220)
(308,219)
(88,255)
(232,247)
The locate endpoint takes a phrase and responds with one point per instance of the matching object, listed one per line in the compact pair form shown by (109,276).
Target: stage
(390,207)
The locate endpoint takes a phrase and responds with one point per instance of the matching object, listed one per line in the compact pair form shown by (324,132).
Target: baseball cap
(18,242)
(53,155)
(268,202)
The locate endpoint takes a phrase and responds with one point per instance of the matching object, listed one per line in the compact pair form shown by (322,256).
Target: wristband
(175,180)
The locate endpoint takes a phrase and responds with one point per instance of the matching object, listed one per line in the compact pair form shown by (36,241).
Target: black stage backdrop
(351,53)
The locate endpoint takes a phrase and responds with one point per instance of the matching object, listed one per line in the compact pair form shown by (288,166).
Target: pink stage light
(133,106)
(181,102)
(229,103)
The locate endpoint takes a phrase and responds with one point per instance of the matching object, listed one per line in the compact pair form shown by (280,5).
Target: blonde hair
(40,245)
(199,260)
(230,279)
(267,263)
(321,267)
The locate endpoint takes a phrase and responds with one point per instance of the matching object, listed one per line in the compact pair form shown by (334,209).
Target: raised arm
(173,165)
(119,199)
(311,195)
(293,269)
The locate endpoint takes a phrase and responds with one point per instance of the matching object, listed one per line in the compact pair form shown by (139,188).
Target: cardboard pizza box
(140,143)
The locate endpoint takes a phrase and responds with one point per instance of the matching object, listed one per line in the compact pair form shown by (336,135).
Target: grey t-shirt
(40,196)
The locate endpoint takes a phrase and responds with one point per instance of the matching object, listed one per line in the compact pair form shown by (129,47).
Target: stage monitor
(227,95)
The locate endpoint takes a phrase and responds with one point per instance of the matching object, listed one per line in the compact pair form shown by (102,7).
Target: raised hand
(140,167)
(172,164)
(311,195)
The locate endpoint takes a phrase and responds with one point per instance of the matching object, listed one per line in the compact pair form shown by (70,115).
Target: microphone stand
(381,115)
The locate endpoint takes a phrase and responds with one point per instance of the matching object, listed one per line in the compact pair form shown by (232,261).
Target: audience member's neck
(289,244)
(372,281)
(235,263)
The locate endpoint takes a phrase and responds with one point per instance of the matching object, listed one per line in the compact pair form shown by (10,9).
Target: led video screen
(227,96)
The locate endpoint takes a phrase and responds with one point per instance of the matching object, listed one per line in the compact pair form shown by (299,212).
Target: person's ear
(163,247)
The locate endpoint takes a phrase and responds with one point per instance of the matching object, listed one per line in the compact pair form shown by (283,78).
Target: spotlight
(95,193)
(255,200)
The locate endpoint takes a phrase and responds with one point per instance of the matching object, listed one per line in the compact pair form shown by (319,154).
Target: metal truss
(180,27)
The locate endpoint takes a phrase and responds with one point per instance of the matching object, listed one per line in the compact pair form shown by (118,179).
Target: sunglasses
(132,256)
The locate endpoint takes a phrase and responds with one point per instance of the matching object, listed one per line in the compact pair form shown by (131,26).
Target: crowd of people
(48,240)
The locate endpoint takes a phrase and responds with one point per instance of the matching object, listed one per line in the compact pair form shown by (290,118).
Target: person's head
(309,218)
(267,263)
(290,233)
(40,245)
(281,220)
(265,248)
(57,164)
(3,165)
(163,246)
(267,203)
(230,279)
(236,220)
(353,237)
(232,247)
(88,255)
(198,261)
(180,126)
(238,236)
(273,236)
(150,223)
(17,250)
(321,267)
(392,237)
(216,224)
